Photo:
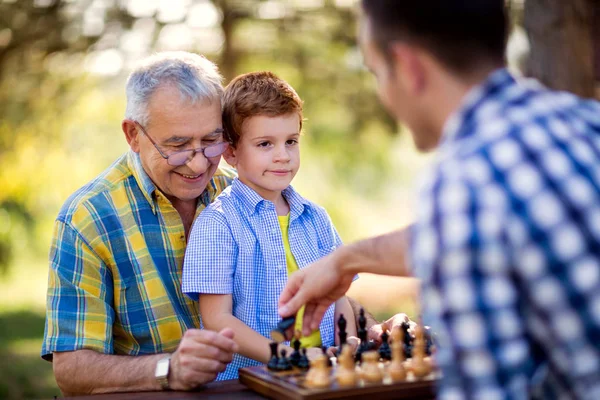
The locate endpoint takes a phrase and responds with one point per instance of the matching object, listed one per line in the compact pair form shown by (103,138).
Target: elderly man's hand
(201,355)
(375,331)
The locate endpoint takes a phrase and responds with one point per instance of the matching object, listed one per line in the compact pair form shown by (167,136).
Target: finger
(308,316)
(289,291)
(293,305)
(318,314)
(212,339)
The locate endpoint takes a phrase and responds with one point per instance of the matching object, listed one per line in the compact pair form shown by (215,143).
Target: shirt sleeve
(460,252)
(210,256)
(79,314)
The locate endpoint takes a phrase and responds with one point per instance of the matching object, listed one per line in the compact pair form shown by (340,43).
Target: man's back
(508,242)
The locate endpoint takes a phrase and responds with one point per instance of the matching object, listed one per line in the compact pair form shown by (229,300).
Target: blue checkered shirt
(236,248)
(507,244)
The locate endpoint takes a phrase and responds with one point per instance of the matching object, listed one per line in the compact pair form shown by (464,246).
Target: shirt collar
(141,177)
(494,85)
(253,201)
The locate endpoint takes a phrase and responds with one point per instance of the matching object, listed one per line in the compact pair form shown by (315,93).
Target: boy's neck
(281,205)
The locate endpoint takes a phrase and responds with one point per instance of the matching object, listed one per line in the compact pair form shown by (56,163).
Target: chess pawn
(283,364)
(370,367)
(396,368)
(303,363)
(295,356)
(319,373)
(419,366)
(345,373)
(272,364)
(384,350)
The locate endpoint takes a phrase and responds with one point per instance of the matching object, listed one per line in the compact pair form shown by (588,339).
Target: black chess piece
(303,363)
(408,340)
(272,364)
(279,333)
(283,364)
(362,335)
(385,352)
(429,339)
(324,350)
(295,356)
(342,330)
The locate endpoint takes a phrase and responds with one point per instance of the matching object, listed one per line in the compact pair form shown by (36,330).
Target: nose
(281,154)
(199,163)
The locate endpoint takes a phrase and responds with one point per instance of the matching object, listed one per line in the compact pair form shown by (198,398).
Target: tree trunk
(561,34)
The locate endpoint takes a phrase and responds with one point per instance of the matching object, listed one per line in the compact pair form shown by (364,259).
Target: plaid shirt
(236,248)
(114,284)
(507,245)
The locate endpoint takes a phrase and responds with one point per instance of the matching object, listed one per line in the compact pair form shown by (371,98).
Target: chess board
(290,385)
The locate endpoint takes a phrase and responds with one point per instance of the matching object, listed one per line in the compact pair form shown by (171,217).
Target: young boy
(243,247)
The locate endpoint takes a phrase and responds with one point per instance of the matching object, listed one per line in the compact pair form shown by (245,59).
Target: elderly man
(116,317)
(507,238)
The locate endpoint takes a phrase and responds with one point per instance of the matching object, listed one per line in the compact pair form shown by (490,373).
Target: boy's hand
(200,356)
(313,352)
(353,342)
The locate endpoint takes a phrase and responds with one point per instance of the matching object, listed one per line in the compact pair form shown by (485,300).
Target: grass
(23,374)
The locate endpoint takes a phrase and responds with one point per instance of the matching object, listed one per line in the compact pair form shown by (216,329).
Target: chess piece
(419,366)
(324,350)
(303,363)
(362,335)
(318,375)
(384,350)
(283,364)
(279,333)
(272,364)
(345,373)
(396,369)
(429,340)
(342,330)
(370,367)
(295,356)
(407,339)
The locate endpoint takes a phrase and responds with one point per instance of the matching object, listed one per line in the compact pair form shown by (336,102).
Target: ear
(131,134)
(408,67)
(230,156)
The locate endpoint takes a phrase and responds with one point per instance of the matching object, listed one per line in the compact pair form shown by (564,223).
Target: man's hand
(200,356)
(316,286)
(375,331)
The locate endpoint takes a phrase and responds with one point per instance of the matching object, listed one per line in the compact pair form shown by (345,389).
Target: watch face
(162,368)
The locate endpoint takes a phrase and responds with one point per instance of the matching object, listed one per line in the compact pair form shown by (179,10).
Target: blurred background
(63,66)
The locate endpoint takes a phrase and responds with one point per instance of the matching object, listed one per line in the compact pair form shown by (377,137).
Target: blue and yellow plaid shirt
(114,283)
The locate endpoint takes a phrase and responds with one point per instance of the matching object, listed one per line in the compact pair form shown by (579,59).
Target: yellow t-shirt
(314,339)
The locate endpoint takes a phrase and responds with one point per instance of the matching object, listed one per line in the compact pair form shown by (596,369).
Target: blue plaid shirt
(507,244)
(236,247)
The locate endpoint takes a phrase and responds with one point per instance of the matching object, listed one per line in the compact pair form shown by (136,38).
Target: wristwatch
(162,372)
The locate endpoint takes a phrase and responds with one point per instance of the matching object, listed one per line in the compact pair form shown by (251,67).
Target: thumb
(227,332)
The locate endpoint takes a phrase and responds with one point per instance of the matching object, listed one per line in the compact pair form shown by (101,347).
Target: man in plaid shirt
(507,236)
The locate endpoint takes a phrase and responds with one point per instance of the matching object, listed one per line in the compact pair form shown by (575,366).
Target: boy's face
(267,155)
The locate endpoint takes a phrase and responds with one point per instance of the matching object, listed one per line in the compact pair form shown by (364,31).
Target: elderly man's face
(176,124)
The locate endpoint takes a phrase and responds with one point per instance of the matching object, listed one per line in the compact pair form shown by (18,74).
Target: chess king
(506,235)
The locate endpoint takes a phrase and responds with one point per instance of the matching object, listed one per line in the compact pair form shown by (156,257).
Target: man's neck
(451,92)
(187,212)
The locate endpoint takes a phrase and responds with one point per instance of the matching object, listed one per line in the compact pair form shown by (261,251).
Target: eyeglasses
(185,156)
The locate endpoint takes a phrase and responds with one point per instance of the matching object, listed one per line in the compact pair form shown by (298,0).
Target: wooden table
(222,390)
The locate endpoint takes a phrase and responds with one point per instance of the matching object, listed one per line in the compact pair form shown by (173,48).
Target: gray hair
(196,78)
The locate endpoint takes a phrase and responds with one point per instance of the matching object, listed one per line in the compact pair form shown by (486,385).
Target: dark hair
(257,93)
(459,33)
